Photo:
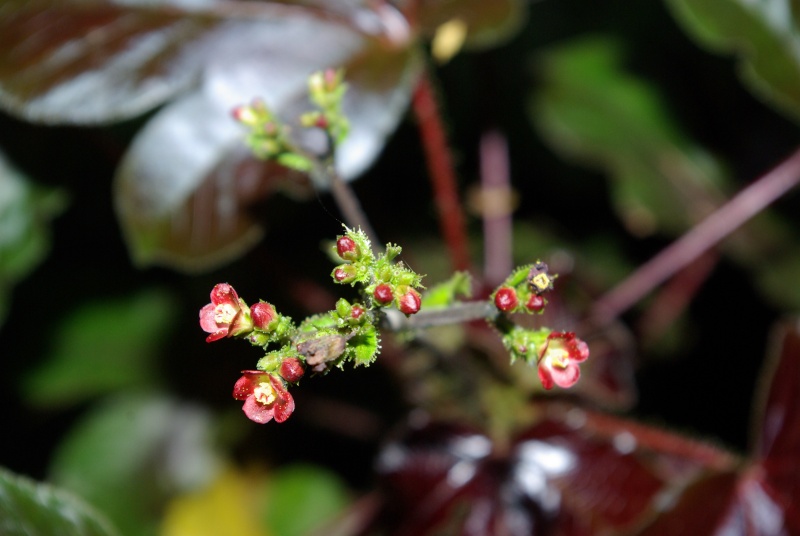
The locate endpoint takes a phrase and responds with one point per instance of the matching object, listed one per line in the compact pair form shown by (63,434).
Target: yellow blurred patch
(226,508)
(448,40)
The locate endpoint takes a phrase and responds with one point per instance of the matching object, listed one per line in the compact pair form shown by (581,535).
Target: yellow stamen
(264,393)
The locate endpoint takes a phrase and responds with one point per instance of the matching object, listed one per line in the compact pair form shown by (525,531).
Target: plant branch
(453,314)
(442,173)
(746,204)
(347,201)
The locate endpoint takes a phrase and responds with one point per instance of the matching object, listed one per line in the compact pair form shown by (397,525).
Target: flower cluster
(345,334)
(386,283)
(263,391)
(557,354)
(267,137)
(326,89)
(348,333)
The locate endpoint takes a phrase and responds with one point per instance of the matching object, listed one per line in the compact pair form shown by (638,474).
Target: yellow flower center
(264,393)
(224,313)
(558,357)
(541,282)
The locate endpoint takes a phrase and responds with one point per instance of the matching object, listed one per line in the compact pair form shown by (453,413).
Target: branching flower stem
(746,204)
(347,201)
(453,314)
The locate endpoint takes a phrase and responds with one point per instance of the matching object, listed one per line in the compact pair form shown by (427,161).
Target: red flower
(227,315)
(264,395)
(559,358)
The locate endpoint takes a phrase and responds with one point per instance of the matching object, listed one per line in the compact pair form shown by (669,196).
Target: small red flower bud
(410,302)
(292,369)
(383,293)
(322,122)
(331,79)
(263,314)
(347,248)
(506,299)
(344,274)
(535,303)
(356,312)
(244,114)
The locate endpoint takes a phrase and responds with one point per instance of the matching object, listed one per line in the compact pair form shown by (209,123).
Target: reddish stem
(442,173)
(698,240)
(496,206)
(673,299)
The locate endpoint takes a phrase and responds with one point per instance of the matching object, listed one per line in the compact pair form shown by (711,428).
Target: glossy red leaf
(487,23)
(574,472)
(183,189)
(89,62)
(777,427)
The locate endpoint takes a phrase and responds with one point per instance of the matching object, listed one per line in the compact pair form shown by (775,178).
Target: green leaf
(25,212)
(28,508)
(321,493)
(763,35)
(447,292)
(131,453)
(589,109)
(364,347)
(100,348)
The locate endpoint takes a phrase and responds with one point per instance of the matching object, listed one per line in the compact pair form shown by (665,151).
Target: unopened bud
(506,299)
(292,369)
(410,302)
(347,248)
(383,293)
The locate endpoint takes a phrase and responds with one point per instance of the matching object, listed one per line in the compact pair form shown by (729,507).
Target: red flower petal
(221,334)
(257,412)
(207,319)
(284,405)
(244,386)
(566,377)
(545,377)
(284,408)
(224,293)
